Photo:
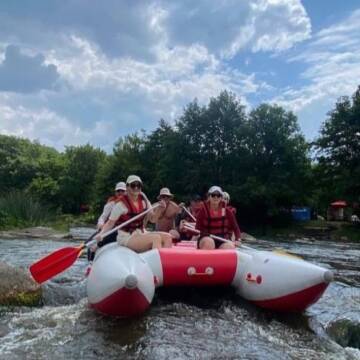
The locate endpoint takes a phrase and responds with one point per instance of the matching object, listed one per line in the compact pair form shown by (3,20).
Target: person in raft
(215,218)
(164,218)
(120,189)
(226,198)
(184,217)
(134,235)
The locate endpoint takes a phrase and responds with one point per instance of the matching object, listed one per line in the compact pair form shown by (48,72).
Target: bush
(18,209)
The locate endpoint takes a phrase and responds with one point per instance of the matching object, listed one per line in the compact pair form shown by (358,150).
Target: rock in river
(17,287)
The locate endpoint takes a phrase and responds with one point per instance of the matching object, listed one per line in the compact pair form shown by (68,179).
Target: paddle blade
(54,263)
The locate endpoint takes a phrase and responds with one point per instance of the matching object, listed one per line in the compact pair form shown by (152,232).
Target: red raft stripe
(177,261)
(123,302)
(295,302)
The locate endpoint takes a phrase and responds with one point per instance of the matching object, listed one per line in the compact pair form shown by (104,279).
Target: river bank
(339,231)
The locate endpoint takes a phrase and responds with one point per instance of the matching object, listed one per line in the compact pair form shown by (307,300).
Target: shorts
(124,237)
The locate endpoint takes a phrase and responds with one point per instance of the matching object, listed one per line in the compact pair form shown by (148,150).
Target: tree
(125,160)
(77,184)
(280,164)
(338,149)
(20,161)
(212,142)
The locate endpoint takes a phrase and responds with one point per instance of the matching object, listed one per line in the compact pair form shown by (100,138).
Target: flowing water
(185,323)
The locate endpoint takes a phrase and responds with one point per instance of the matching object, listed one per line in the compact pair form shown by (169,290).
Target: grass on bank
(20,210)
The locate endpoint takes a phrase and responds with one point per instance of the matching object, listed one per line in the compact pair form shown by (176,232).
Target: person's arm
(234,225)
(117,210)
(105,214)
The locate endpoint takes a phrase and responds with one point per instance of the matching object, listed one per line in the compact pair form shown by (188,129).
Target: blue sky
(74,72)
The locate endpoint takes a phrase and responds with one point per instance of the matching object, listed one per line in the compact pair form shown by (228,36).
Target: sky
(74,72)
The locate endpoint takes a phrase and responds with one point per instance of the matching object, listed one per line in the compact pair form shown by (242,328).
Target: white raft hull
(122,282)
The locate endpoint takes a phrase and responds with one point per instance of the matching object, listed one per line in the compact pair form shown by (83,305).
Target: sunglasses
(165,197)
(119,191)
(135,185)
(215,195)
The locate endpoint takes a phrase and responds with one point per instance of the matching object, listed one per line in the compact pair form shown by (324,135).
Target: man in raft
(215,218)
(134,235)
(164,218)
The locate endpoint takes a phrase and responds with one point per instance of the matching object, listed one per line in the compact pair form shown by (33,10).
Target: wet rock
(4,330)
(81,232)
(345,332)
(38,232)
(17,287)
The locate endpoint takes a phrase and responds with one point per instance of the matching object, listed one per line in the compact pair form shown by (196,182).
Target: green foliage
(77,183)
(339,151)
(260,158)
(279,159)
(19,209)
(20,161)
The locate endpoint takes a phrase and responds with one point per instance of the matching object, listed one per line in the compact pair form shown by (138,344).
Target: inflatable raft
(122,282)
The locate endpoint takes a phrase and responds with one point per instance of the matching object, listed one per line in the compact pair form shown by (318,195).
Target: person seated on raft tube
(120,189)
(180,232)
(226,198)
(215,218)
(134,235)
(164,218)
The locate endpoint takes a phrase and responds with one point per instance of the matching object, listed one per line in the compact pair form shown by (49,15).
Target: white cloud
(145,62)
(126,94)
(179,75)
(332,62)
(228,27)
(40,124)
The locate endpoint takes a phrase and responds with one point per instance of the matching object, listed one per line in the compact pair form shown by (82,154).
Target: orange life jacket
(216,225)
(132,211)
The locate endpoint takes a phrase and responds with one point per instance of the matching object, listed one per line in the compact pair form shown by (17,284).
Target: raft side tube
(198,267)
(279,282)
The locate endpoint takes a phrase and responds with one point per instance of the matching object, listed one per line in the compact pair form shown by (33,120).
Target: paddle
(195,231)
(189,213)
(58,261)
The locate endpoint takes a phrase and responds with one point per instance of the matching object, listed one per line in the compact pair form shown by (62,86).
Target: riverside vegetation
(261,158)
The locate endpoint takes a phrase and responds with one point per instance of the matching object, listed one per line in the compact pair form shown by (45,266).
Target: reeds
(20,209)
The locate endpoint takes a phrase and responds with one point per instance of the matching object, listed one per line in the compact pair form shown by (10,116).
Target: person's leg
(166,238)
(227,245)
(206,243)
(144,242)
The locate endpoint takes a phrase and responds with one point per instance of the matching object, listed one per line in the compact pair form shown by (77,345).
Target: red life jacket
(217,225)
(132,211)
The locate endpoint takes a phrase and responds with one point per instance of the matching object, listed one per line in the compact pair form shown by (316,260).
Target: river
(185,323)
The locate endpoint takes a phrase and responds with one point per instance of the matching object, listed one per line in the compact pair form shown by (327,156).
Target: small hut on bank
(336,210)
